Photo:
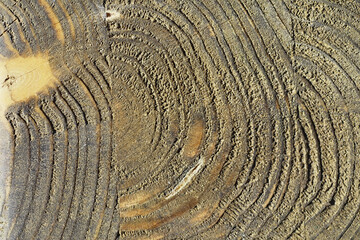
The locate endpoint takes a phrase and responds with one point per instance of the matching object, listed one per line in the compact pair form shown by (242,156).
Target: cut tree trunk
(179,119)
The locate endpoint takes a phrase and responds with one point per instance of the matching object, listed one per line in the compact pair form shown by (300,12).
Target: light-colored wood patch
(267,201)
(188,178)
(195,137)
(22,78)
(112,15)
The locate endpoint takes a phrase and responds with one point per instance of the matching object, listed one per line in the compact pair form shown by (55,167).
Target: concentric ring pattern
(181,119)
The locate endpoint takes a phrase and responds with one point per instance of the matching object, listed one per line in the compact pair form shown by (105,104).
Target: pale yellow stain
(54,20)
(22,78)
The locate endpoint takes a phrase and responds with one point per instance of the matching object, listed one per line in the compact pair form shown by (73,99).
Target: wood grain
(179,119)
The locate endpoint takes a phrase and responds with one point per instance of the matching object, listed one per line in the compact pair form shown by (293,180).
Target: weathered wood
(180,119)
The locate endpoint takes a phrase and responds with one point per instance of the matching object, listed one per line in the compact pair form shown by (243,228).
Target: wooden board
(179,119)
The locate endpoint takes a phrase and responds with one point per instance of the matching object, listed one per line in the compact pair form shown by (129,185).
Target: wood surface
(179,119)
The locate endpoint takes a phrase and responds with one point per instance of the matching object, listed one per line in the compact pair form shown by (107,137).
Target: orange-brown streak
(147,224)
(54,20)
(196,134)
(137,198)
(71,24)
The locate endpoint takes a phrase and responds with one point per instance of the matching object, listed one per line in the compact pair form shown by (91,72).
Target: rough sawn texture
(179,119)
